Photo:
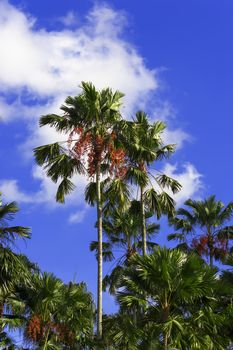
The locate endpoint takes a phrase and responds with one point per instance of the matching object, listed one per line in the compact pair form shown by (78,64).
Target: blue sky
(171,58)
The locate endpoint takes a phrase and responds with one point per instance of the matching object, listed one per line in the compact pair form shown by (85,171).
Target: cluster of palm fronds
(168,298)
(46,313)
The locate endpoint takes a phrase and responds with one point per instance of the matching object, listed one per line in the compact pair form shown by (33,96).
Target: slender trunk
(1,314)
(166,311)
(100,254)
(165,341)
(211,246)
(211,259)
(143,222)
(46,338)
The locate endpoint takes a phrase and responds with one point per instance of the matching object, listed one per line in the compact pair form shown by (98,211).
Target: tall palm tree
(88,121)
(144,146)
(174,294)
(206,222)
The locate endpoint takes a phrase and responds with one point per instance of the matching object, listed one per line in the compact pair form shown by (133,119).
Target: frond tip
(66,187)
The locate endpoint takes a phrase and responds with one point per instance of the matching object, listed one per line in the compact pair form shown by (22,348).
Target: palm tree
(206,221)
(122,230)
(8,234)
(225,296)
(89,120)
(58,315)
(14,268)
(144,147)
(174,293)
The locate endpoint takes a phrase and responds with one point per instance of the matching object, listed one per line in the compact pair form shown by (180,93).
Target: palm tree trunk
(1,313)
(46,339)
(211,259)
(165,341)
(143,218)
(166,311)
(100,255)
(211,246)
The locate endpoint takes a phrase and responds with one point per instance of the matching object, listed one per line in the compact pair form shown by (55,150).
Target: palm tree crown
(8,233)
(173,293)
(206,221)
(144,146)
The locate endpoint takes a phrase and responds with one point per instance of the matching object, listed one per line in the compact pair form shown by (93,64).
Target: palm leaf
(65,187)
(166,181)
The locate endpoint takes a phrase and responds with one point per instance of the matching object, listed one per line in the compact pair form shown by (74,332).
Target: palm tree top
(8,234)
(207,212)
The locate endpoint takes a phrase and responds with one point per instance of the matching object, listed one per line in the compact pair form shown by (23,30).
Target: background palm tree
(8,234)
(88,122)
(206,222)
(15,269)
(225,297)
(143,142)
(122,231)
(176,293)
(57,315)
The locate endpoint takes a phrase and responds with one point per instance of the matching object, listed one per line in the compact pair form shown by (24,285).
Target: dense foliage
(168,298)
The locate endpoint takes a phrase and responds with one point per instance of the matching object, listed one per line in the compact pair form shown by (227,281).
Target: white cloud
(53,63)
(42,67)
(46,193)
(176,136)
(11,192)
(189,178)
(69,19)
(77,217)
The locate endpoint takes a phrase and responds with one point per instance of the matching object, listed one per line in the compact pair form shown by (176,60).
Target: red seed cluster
(64,333)
(205,244)
(93,150)
(34,329)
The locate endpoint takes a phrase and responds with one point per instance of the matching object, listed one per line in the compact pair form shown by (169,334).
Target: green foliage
(8,234)
(169,299)
(173,295)
(206,220)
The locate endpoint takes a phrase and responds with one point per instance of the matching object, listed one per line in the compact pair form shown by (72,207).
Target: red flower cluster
(201,245)
(64,333)
(97,149)
(204,243)
(34,329)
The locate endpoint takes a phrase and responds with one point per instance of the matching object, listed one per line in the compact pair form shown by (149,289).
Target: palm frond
(165,151)
(44,154)
(65,187)
(60,123)
(8,211)
(152,200)
(166,181)
(137,176)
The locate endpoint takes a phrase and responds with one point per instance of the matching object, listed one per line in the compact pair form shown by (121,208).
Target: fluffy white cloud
(11,192)
(77,216)
(45,194)
(42,67)
(47,190)
(52,63)
(69,19)
(189,178)
(176,136)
